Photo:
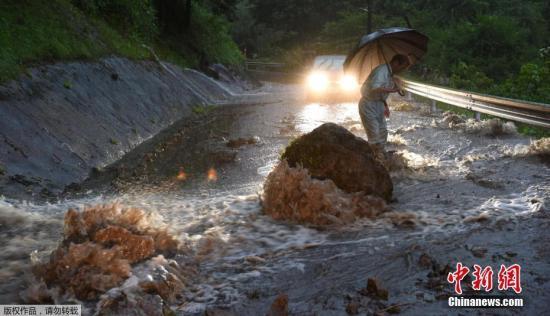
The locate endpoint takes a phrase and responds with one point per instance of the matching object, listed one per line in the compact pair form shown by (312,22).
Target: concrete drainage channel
(61,121)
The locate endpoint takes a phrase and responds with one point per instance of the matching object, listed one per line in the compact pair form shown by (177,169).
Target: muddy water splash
(453,182)
(292,194)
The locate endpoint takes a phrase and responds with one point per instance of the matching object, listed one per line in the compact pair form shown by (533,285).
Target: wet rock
(452,119)
(73,187)
(486,183)
(352,308)
(253,295)
(511,254)
(332,152)
(425,260)
(95,172)
(254,259)
(220,156)
(239,142)
(144,305)
(37,293)
(165,284)
(279,307)
(437,277)
(21,179)
(478,252)
(402,219)
(393,309)
(47,194)
(483,217)
(292,194)
(375,290)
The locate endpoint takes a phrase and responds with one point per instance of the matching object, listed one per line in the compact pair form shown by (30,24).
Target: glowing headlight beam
(348,83)
(317,81)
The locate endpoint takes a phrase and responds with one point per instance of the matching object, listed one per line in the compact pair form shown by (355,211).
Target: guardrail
(516,110)
(258,65)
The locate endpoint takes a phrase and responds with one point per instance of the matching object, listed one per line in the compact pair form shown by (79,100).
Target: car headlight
(317,81)
(348,83)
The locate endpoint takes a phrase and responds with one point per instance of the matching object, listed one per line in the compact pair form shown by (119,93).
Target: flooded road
(467,193)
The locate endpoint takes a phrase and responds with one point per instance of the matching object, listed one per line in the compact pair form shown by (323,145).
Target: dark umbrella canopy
(379,48)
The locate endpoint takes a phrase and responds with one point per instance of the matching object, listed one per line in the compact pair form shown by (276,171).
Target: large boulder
(332,152)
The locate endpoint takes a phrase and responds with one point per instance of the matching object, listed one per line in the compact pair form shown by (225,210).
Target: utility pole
(187,16)
(369,16)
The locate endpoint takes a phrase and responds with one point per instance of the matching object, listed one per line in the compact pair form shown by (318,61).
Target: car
(326,80)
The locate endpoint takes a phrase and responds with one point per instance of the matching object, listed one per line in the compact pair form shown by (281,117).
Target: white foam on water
(536,147)
(418,161)
(530,201)
(21,232)
(268,167)
(234,227)
(315,114)
(397,140)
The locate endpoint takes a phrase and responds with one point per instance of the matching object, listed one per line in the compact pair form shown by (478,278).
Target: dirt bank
(464,195)
(60,121)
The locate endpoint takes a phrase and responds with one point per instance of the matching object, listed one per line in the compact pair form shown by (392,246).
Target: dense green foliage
(490,46)
(498,47)
(40,32)
(36,31)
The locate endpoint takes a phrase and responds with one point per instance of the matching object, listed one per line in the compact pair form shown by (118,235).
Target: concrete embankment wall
(57,122)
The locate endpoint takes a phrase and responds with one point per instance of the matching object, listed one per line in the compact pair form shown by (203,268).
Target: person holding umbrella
(373,107)
(368,61)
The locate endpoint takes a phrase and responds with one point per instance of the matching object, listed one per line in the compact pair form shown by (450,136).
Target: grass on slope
(36,31)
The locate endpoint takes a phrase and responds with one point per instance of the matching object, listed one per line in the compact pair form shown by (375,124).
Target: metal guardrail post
(433,108)
(477,116)
(409,96)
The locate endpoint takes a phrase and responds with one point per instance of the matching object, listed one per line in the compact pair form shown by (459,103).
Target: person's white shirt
(379,77)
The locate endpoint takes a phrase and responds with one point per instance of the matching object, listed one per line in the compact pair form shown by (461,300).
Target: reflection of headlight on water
(317,81)
(348,83)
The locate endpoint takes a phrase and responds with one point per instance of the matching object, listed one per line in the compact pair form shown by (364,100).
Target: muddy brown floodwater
(474,192)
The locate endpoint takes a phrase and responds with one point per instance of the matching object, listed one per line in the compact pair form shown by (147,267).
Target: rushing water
(453,177)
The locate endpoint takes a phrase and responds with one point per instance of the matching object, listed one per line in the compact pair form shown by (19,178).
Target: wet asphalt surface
(471,200)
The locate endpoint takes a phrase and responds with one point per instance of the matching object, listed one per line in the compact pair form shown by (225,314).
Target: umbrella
(379,47)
